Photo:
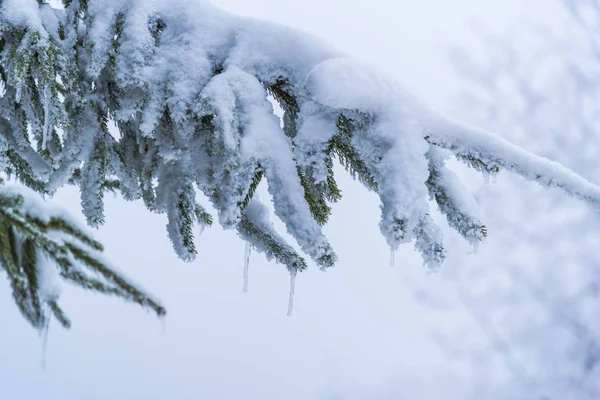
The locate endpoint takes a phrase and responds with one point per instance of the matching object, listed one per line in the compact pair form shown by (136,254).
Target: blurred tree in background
(533,289)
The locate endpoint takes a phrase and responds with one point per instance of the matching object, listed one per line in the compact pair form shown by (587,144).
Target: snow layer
(22,13)
(187,85)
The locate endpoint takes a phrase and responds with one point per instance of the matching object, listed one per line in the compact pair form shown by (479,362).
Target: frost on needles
(187,88)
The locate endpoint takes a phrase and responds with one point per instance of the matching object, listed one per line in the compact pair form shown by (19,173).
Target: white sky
(356,332)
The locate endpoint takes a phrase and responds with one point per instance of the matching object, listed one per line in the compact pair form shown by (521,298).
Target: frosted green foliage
(453,200)
(37,250)
(187,87)
(428,242)
(255,228)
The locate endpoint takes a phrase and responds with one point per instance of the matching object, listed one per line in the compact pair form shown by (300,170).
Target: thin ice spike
(44,332)
(293,273)
(247,266)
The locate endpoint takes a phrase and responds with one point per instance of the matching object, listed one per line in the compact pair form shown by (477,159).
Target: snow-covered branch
(40,247)
(189,88)
(495,152)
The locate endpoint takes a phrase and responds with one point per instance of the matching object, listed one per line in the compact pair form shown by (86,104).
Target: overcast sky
(356,332)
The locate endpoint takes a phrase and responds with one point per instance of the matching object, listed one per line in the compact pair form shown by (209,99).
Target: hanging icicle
(474,248)
(246,266)
(293,273)
(44,332)
(392,259)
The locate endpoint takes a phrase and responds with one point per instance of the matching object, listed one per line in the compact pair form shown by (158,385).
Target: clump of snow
(22,13)
(345,83)
(49,287)
(392,145)
(38,207)
(316,125)
(50,19)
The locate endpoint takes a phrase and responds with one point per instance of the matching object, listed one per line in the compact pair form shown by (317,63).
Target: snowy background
(360,330)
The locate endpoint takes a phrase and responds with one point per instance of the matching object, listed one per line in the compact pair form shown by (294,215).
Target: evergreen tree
(158,99)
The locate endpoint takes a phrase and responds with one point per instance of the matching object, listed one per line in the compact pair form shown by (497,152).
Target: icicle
(392,258)
(2,88)
(293,273)
(246,266)
(46,131)
(44,333)
(474,248)
(486,177)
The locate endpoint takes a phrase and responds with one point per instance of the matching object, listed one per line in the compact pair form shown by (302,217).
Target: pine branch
(30,244)
(428,242)
(315,197)
(468,142)
(255,229)
(443,186)
(282,91)
(202,120)
(341,146)
(258,175)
